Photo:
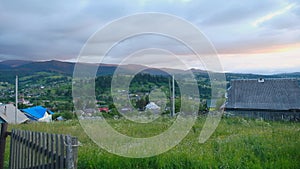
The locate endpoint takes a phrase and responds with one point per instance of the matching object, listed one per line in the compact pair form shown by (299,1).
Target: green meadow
(236,143)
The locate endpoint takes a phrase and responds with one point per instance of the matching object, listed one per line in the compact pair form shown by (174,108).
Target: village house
(152,107)
(8,114)
(271,99)
(38,113)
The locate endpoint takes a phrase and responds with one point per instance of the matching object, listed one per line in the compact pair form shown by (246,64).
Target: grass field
(237,143)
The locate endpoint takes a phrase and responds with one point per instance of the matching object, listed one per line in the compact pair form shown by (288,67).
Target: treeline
(145,83)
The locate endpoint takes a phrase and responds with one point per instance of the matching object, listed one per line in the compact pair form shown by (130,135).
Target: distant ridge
(27,67)
(14,63)
(23,67)
(52,66)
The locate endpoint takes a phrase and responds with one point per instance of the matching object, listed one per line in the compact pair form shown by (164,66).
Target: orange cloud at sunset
(276,48)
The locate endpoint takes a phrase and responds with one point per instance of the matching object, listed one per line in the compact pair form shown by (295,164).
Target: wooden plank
(12,142)
(21,149)
(69,153)
(24,148)
(47,148)
(38,150)
(56,151)
(52,150)
(11,158)
(27,148)
(62,151)
(14,150)
(17,151)
(67,159)
(42,151)
(31,150)
(33,142)
(2,143)
(75,151)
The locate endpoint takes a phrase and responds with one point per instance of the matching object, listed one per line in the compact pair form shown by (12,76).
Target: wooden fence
(3,135)
(36,150)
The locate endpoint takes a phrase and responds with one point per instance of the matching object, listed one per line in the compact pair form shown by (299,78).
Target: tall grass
(237,143)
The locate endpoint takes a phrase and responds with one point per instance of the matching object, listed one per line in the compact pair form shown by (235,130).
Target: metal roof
(36,112)
(7,113)
(271,94)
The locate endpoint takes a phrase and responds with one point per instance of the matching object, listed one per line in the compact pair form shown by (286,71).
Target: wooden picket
(3,135)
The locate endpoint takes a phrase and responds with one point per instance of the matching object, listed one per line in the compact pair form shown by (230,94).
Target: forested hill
(41,82)
(10,68)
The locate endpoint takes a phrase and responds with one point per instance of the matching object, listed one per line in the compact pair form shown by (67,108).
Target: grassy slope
(237,143)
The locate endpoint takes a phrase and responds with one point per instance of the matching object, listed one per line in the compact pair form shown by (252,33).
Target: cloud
(273,14)
(290,20)
(36,30)
(265,63)
(235,12)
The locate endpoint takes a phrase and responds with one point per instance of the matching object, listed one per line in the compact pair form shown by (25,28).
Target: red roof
(104,109)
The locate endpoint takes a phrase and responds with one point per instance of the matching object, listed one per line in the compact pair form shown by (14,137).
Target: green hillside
(236,143)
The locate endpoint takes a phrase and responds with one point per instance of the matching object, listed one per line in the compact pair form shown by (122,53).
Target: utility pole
(16,110)
(173,97)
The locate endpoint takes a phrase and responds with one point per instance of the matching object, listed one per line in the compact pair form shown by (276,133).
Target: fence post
(69,153)
(3,135)
(75,151)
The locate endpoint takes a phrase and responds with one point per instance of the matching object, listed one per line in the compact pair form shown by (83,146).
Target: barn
(270,99)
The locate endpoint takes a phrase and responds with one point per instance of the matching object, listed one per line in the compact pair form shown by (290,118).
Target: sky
(251,36)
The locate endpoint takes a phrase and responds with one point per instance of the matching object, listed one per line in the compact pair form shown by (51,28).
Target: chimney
(5,110)
(261,80)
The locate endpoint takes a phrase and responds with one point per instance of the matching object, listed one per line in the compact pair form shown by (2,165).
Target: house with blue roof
(38,113)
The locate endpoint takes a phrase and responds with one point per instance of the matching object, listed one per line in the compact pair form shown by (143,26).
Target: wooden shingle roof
(264,94)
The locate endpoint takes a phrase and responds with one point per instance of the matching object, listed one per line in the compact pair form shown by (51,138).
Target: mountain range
(11,68)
